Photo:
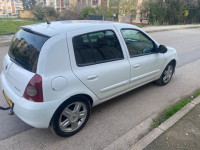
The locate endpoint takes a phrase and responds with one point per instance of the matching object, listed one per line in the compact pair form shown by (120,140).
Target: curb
(140,136)
(128,139)
(169,29)
(150,137)
(5,40)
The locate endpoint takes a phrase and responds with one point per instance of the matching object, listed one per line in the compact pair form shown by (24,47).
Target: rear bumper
(35,114)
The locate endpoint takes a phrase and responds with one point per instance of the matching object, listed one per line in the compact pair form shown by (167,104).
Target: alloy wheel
(168,74)
(73,116)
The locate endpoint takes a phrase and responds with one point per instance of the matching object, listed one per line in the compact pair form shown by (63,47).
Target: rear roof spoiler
(31,31)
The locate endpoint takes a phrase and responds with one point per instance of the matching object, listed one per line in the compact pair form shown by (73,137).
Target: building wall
(18,5)
(5,7)
(26,14)
(80,4)
(10,6)
(137,18)
(60,4)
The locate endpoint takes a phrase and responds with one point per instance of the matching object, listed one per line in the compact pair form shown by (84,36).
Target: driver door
(145,63)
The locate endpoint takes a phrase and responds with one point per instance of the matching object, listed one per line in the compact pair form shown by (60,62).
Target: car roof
(63,27)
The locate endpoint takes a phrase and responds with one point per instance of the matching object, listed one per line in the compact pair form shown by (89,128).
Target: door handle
(92,77)
(137,66)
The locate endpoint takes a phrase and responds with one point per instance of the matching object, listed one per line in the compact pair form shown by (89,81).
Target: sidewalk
(185,134)
(5,40)
(170,27)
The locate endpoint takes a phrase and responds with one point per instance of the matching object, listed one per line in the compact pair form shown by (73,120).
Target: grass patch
(12,25)
(196,94)
(170,111)
(173,109)
(167,113)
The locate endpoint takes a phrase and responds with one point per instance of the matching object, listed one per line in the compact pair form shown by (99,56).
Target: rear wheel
(71,117)
(166,75)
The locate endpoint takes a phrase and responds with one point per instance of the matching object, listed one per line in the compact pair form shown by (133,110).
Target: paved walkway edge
(5,44)
(151,30)
(145,141)
(131,137)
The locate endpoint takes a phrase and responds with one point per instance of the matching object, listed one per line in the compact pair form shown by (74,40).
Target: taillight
(33,91)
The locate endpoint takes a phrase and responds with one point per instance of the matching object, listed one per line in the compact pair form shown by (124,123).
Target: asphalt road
(116,117)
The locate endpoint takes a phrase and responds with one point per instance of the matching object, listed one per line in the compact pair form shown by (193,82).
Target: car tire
(166,75)
(71,116)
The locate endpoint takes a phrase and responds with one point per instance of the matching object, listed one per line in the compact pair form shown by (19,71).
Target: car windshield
(25,48)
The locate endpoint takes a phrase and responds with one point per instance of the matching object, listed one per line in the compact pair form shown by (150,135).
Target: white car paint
(109,80)
(62,78)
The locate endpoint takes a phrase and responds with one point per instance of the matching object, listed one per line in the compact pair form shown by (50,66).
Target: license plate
(10,103)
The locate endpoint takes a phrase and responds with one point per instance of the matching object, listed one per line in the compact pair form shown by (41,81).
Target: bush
(157,12)
(87,11)
(175,11)
(103,11)
(168,11)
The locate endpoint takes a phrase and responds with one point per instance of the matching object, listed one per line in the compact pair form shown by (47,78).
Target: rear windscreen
(25,48)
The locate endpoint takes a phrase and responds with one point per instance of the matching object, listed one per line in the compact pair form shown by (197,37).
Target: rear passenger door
(99,62)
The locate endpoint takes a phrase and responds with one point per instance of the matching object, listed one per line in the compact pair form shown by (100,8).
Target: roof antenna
(46,20)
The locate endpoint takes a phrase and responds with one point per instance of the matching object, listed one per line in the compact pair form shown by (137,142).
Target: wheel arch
(82,95)
(173,61)
(89,98)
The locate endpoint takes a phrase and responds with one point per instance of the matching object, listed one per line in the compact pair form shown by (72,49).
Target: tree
(157,11)
(87,11)
(104,11)
(114,7)
(175,10)
(194,12)
(72,13)
(168,11)
(42,12)
(127,7)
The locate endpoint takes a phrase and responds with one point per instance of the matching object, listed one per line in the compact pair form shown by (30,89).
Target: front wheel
(71,117)
(166,75)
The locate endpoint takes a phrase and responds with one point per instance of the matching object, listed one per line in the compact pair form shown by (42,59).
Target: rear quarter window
(25,49)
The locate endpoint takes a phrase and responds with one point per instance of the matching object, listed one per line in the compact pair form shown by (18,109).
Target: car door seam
(72,68)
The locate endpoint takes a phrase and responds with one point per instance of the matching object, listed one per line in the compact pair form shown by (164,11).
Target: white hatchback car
(54,73)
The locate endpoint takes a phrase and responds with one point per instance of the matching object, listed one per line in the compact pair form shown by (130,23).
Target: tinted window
(97,47)
(83,50)
(25,48)
(137,43)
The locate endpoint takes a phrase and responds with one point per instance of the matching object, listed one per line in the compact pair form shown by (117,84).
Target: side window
(106,46)
(97,47)
(83,50)
(137,43)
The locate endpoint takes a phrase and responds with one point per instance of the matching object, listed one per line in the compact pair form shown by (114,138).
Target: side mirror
(162,49)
